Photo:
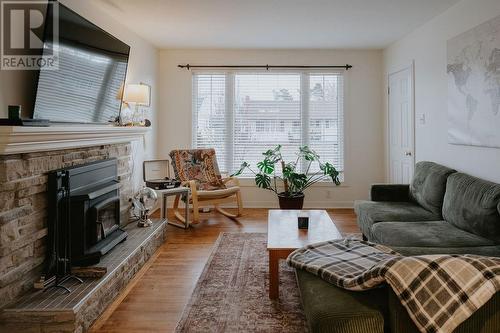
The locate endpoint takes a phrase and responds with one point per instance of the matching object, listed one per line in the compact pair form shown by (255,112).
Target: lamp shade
(137,93)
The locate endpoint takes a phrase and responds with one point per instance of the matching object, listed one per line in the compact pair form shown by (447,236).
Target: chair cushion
(213,194)
(426,234)
(429,184)
(199,165)
(472,204)
(372,212)
(331,309)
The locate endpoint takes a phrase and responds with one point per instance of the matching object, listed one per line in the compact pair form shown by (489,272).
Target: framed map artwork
(473,69)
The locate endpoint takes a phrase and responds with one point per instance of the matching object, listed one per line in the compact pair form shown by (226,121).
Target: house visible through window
(243,114)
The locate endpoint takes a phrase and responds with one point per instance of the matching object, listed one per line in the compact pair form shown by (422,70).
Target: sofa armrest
(390,192)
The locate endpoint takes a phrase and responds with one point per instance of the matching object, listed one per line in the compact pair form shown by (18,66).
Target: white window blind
(242,114)
(266,113)
(326,118)
(209,116)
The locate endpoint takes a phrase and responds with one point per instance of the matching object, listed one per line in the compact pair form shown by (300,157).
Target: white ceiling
(273,23)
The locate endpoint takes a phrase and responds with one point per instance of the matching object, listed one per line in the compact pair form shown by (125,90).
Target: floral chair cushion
(199,165)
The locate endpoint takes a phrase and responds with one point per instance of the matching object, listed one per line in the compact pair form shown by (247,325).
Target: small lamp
(137,94)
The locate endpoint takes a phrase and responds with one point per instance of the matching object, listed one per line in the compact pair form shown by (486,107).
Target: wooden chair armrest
(233,180)
(192,186)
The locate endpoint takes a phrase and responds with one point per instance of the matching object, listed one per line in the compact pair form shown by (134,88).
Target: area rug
(232,292)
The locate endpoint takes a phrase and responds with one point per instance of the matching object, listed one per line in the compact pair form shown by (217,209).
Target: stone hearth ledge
(57,312)
(26,139)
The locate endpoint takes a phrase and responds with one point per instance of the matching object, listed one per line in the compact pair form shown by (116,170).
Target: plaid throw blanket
(438,291)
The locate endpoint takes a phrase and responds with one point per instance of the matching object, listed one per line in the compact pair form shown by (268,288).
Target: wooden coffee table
(283,237)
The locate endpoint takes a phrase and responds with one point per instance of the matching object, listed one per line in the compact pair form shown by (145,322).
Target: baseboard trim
(307,205)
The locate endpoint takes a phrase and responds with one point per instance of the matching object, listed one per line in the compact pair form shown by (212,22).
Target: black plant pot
(296,201)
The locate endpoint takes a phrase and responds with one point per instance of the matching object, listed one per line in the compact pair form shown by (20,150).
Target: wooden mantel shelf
(24,139)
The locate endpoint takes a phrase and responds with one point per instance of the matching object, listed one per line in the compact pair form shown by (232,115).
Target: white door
(401,126)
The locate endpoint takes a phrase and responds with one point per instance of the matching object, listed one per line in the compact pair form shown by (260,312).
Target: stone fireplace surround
(26,156)
(23,206)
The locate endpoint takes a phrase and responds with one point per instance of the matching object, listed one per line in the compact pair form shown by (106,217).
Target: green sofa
(441,211)
(329,309)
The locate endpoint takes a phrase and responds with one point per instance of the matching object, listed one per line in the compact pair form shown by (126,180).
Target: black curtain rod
(267,67)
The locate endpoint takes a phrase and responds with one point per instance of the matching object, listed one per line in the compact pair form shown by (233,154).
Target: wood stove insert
(84,216)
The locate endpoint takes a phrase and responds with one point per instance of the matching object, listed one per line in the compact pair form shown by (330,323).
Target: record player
(162,184)
(156,175)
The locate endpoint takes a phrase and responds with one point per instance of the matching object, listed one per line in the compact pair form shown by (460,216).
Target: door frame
(411,67)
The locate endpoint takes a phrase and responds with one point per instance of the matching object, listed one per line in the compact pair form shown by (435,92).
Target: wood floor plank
(155,301)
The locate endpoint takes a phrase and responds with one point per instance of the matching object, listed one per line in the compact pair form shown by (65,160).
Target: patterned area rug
(232,292)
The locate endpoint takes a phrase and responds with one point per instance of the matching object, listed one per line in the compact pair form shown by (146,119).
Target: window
(211,122)
(241,114)
(260,126)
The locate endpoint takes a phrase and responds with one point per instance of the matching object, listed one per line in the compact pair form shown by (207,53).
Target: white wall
(17,87)
(363,108)
(427,47)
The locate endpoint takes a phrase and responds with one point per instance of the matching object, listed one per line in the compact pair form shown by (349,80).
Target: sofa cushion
(488,251)
(390,192)
(331,309)
(426,234)
(371,212)
(472,204)
(429,184)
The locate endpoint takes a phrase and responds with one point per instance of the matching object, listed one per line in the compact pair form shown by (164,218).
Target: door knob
(408,153)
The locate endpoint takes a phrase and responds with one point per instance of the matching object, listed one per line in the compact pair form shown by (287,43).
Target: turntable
(156,175)
(162,184)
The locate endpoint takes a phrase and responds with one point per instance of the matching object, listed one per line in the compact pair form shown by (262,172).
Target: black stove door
(104,219)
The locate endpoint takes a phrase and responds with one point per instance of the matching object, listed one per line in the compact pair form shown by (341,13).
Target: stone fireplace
(28,158)
(24,208)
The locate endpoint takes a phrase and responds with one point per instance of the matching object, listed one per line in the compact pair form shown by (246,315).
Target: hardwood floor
(154,301)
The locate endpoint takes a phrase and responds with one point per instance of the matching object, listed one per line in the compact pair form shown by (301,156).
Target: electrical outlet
(422,119)
(328,194)
(205,209)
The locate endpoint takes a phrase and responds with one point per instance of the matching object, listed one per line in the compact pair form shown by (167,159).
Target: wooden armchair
(198,170)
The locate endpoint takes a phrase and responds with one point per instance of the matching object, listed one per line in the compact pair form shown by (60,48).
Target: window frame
(304,79)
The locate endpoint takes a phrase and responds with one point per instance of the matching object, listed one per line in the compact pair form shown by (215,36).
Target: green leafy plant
(294,182)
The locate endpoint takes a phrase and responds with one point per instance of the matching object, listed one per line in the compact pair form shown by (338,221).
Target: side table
(184,191)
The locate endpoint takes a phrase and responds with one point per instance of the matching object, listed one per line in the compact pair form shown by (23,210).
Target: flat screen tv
(92,68)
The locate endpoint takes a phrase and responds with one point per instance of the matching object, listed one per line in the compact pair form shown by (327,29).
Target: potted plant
(294,182)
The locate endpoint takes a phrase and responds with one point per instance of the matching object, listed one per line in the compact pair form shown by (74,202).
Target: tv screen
(92,68)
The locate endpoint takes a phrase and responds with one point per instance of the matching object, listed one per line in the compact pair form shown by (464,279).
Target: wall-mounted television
(92,65)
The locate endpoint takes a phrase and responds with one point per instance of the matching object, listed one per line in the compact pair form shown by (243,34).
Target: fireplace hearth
(84,216)
(25,203)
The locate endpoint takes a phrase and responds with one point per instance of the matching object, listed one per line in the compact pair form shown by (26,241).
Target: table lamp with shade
(138,95)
